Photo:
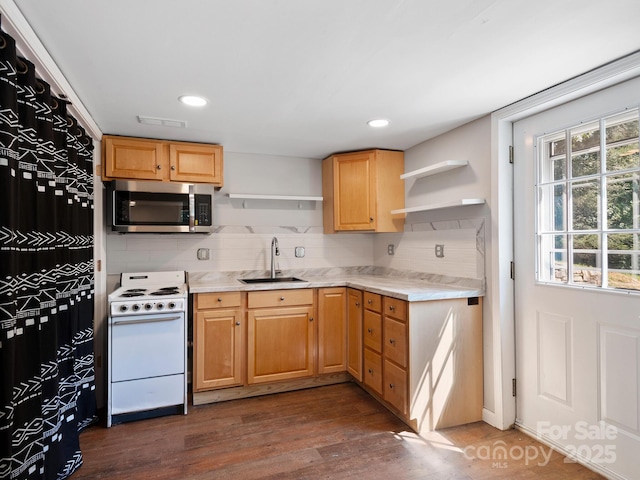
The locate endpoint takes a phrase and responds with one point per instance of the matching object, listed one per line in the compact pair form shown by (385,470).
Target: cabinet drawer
(219,300)
(395,386)
(373,301)
(395,308)
(373,330)
(395,341)
(373,370)
(280,298)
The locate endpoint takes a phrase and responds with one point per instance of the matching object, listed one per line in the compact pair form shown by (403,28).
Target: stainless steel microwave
(160,207)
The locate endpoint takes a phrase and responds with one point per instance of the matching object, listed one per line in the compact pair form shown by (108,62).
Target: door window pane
(586,204)
(622,142)
(588,210)
(622,201)
(624,260)
(586,260)
(585,151)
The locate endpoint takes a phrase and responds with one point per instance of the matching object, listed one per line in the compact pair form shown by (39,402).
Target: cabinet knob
(392,308)
(391,385)
(392,341)
(159,167)
(282,298)
(219,299)
(311,319)
(371,371)
(173,167)
(357,304)
(238,323)
(369,330)
(370,219)
(369,301)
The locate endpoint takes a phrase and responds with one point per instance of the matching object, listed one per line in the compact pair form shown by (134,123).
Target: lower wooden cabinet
(332,330)
(423,360)
(395,352)
(280,339)
(219,332)
(354,333)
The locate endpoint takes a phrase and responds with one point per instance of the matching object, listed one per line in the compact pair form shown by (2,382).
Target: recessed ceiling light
(380,122)
(193,101)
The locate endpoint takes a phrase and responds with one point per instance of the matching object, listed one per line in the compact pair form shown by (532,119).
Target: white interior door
(577,347)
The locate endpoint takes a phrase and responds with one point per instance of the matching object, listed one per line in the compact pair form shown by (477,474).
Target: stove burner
(168,288)
(164,291)
(130,294)
(135,290)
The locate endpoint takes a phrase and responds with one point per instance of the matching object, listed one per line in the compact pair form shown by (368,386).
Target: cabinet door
(218,349)
(395,341)
(373,370)
(395,386)
(195,163)
(354,180)
(372,330)
(354,333)
(134,158)
(332,330)
(280,344)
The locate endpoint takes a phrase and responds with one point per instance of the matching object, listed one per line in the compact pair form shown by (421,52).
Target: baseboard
(235,393)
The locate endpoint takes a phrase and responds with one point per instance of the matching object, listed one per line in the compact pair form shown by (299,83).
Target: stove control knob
(172,305)
(160,306)
(124,308)
(148,306)
(135,307)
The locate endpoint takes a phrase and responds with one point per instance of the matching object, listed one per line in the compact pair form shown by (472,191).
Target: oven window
(146,208)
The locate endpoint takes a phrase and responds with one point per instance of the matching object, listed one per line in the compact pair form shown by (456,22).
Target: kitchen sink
(271,280)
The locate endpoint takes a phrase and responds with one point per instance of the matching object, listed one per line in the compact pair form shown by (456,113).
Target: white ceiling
(302,77)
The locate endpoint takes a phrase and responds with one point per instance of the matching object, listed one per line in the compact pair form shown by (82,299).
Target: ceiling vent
(162,122)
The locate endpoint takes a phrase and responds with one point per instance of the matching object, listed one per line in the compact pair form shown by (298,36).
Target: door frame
(501,288)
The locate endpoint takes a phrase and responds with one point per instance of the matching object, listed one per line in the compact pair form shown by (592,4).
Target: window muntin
(587,206)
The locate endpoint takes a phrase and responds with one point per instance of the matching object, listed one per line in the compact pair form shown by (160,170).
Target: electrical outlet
(203,254)
(439,250)
(299,252)
(391,249)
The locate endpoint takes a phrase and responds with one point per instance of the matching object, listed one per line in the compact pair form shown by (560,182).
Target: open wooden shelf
(434,169)
(436,206)
(252,196)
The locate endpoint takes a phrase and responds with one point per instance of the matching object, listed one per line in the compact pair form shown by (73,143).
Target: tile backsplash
(236,248)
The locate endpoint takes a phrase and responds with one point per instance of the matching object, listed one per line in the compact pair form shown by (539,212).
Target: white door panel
(577,349)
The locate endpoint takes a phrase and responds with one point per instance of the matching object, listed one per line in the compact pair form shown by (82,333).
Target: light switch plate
(203,254)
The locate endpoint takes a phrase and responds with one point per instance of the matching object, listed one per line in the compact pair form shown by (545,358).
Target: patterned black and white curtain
(47,389)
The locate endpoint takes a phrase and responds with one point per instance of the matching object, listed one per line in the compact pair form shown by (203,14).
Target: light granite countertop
(412,287)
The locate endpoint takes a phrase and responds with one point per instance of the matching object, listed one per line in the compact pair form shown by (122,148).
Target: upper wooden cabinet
(360,189)
(147,159)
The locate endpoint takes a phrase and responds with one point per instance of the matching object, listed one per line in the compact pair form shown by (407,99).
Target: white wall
(471,142)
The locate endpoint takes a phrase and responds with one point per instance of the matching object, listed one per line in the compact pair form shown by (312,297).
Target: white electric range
(147,346)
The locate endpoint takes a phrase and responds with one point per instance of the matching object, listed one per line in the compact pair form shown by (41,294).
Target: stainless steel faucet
(275,250)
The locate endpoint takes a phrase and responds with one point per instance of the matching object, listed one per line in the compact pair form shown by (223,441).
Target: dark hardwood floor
(329,432)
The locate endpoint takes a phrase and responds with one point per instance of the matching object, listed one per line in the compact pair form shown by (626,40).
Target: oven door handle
(151,320)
